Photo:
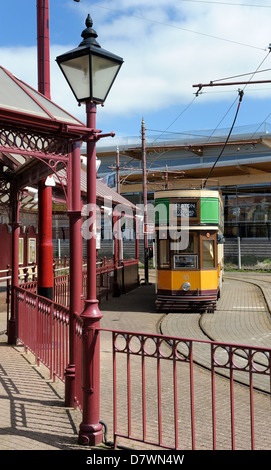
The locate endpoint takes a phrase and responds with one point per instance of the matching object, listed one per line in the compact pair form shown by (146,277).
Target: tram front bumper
(197,303)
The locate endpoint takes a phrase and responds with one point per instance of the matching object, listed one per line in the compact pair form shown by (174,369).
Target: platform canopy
(34,143)
(18,97)
(35,135)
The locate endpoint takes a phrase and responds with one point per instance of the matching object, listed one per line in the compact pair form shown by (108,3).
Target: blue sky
(167,46)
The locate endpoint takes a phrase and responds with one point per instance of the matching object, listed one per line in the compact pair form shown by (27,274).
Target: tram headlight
(186,286)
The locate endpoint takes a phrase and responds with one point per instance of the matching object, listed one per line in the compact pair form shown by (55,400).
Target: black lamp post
(90,72)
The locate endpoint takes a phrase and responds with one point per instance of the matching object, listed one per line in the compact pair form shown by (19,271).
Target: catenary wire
(241,93)
(252,75)
(173,122)
(228,3)
(142,18)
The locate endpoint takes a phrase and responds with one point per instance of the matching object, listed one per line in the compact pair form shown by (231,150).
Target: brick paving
(32,414)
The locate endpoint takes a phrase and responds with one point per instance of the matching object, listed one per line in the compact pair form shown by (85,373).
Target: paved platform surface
(32,414)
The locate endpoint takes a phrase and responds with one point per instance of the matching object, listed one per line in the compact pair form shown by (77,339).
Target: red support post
(15,225)
(43,47)
(45,263)
(45,254)
(76,263)
(90,432)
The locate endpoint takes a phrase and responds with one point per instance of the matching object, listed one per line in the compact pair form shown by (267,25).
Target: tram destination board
(185,209)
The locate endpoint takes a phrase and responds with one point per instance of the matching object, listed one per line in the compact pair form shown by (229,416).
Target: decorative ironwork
(20,146)
(28,143)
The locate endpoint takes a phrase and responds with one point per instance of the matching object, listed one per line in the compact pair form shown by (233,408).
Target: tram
(189,249)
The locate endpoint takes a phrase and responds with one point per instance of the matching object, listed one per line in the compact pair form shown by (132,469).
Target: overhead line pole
(145,201)
(212,84)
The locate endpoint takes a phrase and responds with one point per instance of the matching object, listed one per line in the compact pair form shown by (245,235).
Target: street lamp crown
(89,35)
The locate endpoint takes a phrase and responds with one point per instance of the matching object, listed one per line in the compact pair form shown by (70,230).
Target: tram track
(218,326)
(247,314)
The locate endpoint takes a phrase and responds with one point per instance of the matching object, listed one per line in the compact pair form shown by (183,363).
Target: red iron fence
(43,327)
(160,398)
(125,276)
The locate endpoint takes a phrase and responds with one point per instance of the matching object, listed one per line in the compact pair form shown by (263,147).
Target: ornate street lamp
(90,72)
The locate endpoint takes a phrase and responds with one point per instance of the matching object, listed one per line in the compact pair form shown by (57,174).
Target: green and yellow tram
(189,249)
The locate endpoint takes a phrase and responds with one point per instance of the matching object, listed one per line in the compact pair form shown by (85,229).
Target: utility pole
(118,169)
(145,201)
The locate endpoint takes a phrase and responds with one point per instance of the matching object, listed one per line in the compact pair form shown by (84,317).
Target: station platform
(32,413)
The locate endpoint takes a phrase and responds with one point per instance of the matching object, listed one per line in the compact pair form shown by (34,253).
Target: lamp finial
(89,35)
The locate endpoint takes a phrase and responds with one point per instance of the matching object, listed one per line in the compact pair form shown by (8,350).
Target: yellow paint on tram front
(173,280)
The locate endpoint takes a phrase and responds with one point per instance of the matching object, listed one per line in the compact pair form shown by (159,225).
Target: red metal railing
(61,289)
(105,280)
(160,397)
(43,327)
(105,272)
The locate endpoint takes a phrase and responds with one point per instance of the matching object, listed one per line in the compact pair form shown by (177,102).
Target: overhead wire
(241,75)
(188,106)
(228,3)
(241,94)
(163,132)
(176,119)
(174,26)
(207,35)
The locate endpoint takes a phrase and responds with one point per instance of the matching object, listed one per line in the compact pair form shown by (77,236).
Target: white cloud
(21,62)
(163,54)
(162,62)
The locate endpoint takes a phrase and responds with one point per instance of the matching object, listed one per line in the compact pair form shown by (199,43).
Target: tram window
(185,261)
(208,254)
(163,254)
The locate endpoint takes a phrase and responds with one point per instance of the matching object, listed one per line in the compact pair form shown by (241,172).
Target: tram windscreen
(208,254)
(185,261)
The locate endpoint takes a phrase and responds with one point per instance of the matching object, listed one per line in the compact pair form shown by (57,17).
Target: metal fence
(160,398)
(43,327)
(151,387)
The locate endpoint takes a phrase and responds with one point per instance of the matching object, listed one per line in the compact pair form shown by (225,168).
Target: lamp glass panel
(77,73)
(104,72)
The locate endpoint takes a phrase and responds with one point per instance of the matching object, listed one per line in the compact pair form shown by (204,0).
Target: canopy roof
(34,132)
(17,96)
